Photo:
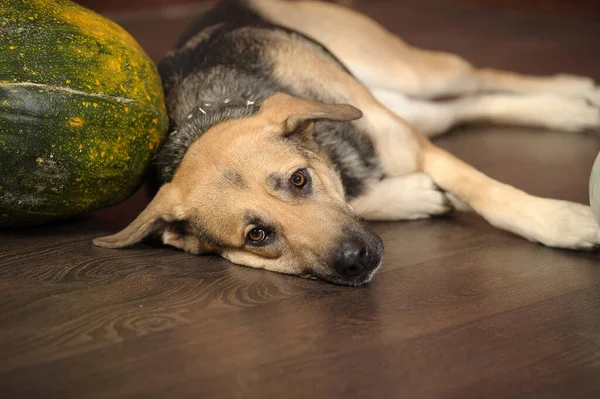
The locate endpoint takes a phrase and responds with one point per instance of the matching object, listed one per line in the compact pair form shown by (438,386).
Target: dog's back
(228,62)
(232,12)
(233,39)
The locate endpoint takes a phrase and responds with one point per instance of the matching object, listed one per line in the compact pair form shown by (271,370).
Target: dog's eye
(257,235)
(299,178)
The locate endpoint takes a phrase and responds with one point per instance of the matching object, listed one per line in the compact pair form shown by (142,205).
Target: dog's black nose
(351,259)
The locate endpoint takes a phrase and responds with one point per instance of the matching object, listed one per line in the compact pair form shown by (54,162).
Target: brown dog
(263,168)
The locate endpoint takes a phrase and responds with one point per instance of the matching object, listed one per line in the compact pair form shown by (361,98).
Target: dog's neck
(209,106)
(194,124)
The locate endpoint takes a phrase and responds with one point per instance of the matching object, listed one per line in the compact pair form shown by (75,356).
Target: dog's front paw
(568,114)
(574,86)
(409,197)
(423,198)
(594,97)
(569,225)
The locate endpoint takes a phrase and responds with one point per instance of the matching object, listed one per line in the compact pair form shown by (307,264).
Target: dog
(294,122)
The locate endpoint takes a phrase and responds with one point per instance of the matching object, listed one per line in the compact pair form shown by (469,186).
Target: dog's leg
(378,58)
(554,223)
(381,60)
(403,151)
(537,110)
(551,222)
(565,85)
(409,197)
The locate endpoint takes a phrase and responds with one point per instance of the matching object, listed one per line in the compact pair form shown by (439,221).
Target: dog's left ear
(294,112)
(152,219)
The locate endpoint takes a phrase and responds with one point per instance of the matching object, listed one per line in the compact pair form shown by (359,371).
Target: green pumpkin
(81,111)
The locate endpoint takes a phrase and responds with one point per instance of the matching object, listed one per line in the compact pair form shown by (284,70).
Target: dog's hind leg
(565,85)
(374,55)
(381,60)
(537,110)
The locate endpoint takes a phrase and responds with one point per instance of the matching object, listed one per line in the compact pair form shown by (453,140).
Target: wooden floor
(459,309)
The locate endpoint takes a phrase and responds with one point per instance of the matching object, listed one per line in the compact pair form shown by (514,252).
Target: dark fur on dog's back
(234,12)
(219,70)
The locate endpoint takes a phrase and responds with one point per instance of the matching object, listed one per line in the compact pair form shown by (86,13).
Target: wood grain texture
(459,309)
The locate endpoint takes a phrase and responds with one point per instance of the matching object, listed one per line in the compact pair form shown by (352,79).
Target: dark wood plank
(351,347)
(459,309)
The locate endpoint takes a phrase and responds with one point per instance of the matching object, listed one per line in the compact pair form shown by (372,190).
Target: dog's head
(255,191)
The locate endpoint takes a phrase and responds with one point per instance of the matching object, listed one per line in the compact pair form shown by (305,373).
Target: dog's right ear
(293,112)
(154,218)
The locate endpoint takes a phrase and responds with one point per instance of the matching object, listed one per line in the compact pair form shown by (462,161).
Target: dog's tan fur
(226,172)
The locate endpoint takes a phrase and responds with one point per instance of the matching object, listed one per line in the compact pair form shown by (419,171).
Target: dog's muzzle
(356,260)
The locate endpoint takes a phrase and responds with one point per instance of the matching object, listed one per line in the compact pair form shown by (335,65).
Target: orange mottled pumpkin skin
(81,111)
